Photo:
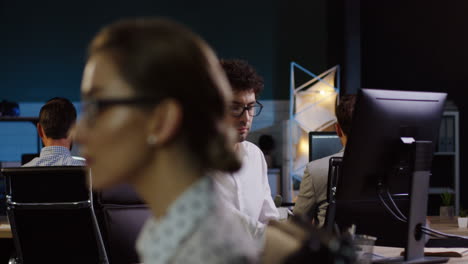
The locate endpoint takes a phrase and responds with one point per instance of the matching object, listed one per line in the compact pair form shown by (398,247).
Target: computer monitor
(380,156)
(323,144)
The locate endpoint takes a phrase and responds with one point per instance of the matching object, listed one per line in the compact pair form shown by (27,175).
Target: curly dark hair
(242,76)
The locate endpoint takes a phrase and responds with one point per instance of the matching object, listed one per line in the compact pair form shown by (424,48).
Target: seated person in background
(156,118)
(247,191)
(56,118)
(313,189)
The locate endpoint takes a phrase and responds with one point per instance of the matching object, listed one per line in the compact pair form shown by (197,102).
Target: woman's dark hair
(162,59)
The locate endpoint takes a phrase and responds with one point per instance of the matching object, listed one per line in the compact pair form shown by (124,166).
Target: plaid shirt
(55,156)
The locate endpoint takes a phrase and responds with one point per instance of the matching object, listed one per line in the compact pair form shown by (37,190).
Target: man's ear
(165,121)
(71,134)
(40,130)
(338,129)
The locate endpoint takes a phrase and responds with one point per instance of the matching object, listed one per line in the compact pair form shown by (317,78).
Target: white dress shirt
(248,190)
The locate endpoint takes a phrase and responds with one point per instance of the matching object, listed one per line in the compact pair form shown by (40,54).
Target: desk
(6,241)
(449,226)
(5,230)
(394,252)
(445,225)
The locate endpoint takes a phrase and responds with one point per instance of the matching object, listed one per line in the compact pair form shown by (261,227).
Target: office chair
(27,157)
(333,176)
(121,215)
(51,214)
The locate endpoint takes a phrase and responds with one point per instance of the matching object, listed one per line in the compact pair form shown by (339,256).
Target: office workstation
(363,201)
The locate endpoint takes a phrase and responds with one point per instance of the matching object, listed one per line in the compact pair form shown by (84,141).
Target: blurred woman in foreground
(155,103)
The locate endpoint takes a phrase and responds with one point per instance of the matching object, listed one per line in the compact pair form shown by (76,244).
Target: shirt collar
(161,238)
(55,150)
(241,151)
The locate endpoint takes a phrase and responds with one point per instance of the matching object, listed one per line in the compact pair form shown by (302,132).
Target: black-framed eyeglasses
(93,107)
(252,110)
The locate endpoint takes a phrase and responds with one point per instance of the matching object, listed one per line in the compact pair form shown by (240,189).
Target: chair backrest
(121,214)
(333,175)
(27,157)
(50,211)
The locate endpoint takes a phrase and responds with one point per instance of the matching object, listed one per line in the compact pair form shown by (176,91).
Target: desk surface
(394,252)
(449,226)
(445,225)
(5,231)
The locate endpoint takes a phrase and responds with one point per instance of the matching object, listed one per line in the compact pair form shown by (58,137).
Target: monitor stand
(414,251)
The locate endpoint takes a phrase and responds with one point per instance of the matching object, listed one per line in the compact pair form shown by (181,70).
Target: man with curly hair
(247,190)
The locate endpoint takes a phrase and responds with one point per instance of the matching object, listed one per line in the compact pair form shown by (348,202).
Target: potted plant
(463,218)
(446,209)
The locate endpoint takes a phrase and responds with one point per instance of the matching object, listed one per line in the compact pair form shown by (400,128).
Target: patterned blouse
(197,230)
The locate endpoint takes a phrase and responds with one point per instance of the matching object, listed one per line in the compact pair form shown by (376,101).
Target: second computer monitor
(323,144)
(380,159)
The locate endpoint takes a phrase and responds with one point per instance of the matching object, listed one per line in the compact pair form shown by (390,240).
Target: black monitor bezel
(362,135)
(350,195)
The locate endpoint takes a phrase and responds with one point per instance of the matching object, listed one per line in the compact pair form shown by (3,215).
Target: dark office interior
(396,45)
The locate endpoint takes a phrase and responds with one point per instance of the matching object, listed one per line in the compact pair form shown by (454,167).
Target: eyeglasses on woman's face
(93,107)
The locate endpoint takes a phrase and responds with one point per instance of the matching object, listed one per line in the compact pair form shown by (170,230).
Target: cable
(401,217)
(395,206)
(432,234)
(430,230)
(390,210)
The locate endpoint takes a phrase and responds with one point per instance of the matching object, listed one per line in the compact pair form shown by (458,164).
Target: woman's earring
(151,140)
